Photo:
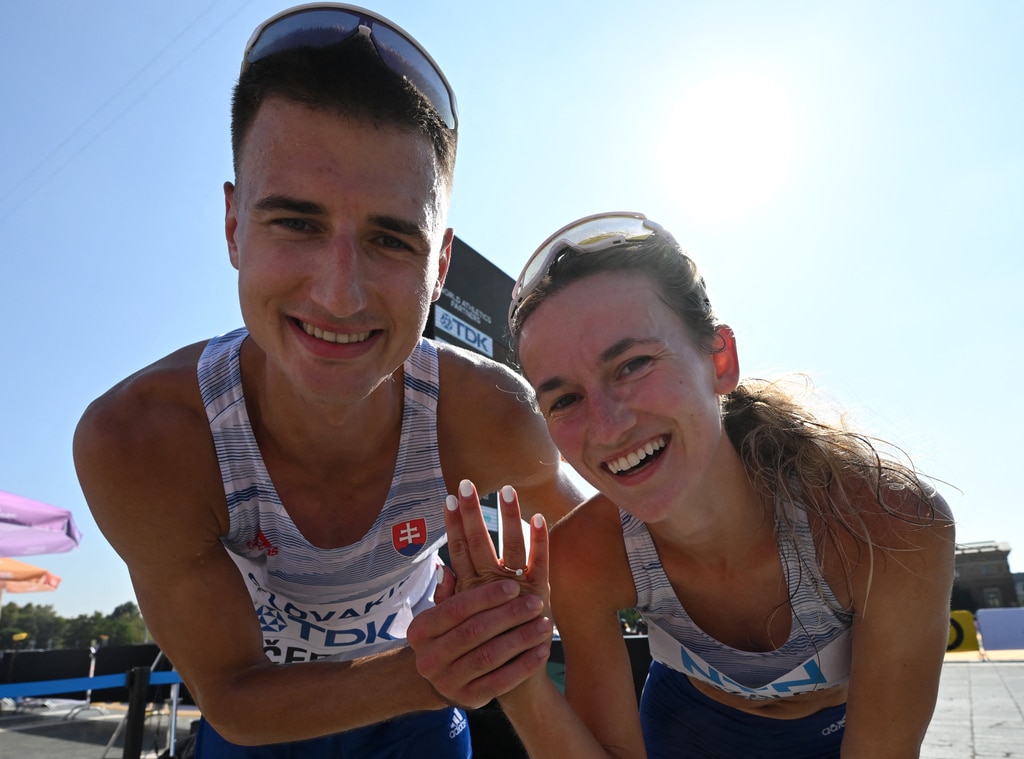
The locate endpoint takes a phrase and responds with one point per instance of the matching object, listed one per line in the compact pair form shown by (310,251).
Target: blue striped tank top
(344,602)
(816,655)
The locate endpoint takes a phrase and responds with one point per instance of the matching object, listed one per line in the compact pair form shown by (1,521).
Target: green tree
(43,627)
(83,631)
(126,626)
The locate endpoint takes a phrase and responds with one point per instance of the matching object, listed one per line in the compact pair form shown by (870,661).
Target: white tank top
(341,603)
(816,655)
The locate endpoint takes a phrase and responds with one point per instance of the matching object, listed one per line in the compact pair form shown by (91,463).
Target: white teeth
(334,337)
(633,458)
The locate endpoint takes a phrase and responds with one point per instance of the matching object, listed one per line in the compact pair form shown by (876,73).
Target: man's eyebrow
(402,227)
(288,203)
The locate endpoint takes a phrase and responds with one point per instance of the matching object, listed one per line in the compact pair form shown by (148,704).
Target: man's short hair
(347,78)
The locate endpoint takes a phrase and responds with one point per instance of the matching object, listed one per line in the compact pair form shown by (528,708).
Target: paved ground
(60,731)
(980,711)
(979,715)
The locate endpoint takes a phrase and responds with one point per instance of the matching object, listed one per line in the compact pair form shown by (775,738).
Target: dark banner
(471,311)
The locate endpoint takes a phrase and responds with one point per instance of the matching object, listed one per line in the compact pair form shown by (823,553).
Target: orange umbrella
(19,577)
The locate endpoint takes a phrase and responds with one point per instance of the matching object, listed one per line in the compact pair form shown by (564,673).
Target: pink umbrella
(30,528)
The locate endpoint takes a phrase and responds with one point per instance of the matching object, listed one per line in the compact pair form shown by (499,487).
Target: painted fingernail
(507,494)
(440,574)
(538,521)
(533,603)
(466,488)
(510,587)
(451,503)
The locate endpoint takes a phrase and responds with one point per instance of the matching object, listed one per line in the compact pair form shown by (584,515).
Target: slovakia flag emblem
(409,537)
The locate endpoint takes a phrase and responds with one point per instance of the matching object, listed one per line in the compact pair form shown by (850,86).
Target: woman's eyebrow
(610,353)
(616,349)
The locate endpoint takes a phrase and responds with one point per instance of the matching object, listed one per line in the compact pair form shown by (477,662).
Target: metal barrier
(138,681)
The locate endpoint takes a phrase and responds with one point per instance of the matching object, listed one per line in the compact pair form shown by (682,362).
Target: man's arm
(490,432)
(149,473)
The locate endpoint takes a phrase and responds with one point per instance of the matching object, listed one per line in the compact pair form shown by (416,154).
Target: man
(278,492)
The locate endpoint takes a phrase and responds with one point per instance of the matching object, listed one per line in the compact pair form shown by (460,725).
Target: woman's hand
(473,558)
(490,630)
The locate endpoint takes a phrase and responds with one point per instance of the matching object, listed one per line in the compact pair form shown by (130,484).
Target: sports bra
(816,655)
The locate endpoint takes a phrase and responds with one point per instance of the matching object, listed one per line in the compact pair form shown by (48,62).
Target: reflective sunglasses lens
(534,270)
(313,28)
(404,58)
(618,228)
(323,27)
(589,234)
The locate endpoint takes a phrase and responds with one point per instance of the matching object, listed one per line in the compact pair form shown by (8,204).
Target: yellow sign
(19,636)
(963,635)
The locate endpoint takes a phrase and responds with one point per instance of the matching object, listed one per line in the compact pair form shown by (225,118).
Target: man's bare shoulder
(145,443)
(165,393)
(463,371)
(483,396)
(480,392)
(488,428)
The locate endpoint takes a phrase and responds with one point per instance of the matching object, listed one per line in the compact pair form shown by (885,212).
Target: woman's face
(630,400)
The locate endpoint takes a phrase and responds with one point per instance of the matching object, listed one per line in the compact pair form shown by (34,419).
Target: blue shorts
(443,734)
(680,721)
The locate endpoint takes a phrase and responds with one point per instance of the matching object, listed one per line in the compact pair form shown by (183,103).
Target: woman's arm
(901,589)
(598,671)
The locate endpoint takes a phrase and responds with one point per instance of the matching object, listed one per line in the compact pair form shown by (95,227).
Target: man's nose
(339,281)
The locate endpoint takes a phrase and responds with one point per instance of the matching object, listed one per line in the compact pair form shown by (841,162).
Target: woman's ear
(726,361)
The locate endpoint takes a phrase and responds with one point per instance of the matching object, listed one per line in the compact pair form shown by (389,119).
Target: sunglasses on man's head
(323,24)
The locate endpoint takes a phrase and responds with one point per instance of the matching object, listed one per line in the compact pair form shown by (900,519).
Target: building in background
(982,577)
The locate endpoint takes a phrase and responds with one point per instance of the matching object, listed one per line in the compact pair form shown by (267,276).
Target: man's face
(337,229)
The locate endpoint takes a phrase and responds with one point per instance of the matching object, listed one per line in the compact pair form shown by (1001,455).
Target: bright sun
(728,146)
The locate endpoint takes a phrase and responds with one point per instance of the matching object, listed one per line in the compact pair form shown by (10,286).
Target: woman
(794,580)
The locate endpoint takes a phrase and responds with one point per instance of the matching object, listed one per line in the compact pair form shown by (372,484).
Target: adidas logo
(459,723)
(835,727)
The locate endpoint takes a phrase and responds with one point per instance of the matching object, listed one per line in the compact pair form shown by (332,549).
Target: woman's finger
(445,587)
(538,566)
(513,544)
(474,531)
(458,548)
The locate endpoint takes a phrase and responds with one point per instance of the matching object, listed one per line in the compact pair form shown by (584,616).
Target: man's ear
(726,361)
(231,222)
(443,262)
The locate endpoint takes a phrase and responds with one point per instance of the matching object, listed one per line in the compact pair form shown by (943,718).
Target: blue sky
(850,176)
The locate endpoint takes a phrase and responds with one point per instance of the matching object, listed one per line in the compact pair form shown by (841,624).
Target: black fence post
(135,722)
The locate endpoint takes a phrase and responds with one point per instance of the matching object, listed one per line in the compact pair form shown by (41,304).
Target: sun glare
(727,147)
